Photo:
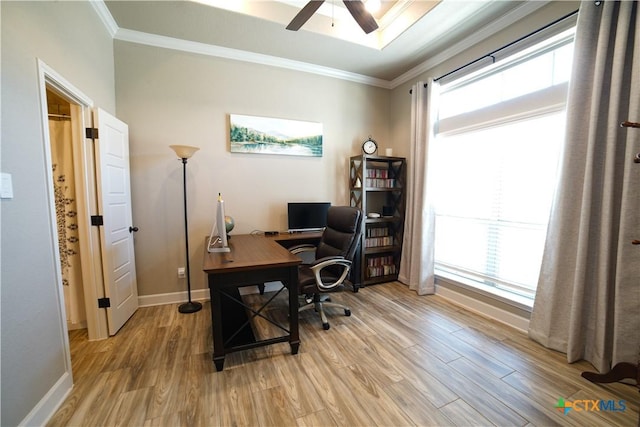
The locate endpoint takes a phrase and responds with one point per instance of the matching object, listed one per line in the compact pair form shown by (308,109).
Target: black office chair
(334,254)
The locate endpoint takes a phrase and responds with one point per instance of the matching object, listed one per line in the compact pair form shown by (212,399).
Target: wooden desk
(287,239)
(253,259)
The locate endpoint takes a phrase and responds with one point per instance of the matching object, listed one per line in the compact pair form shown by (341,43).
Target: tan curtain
(66,215)
(417,263)
(588,298)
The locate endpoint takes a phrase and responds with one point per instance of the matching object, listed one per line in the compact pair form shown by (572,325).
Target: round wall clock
(369,146)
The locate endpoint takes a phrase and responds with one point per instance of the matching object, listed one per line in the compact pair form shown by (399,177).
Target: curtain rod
(490,54)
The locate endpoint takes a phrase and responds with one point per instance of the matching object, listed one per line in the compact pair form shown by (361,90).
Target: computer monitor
(307,216)
(218,237)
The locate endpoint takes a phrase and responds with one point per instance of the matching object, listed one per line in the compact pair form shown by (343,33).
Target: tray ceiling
(411,32)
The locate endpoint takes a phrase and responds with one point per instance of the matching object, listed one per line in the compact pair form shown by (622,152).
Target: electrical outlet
(181,273)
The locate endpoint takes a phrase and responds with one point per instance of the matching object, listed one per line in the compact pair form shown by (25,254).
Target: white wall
(172,97)
(70,38)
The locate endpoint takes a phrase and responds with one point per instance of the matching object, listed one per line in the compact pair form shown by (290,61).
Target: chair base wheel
(326,326)
(347,312)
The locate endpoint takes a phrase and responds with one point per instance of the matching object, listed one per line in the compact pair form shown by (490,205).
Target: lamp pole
(184,153)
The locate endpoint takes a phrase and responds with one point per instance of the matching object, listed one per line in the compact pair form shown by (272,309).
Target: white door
(114,204)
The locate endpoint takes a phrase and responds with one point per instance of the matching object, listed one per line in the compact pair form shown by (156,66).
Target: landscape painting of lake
(265,135)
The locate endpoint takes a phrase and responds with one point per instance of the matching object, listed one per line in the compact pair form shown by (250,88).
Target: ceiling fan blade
(361,15)
(304,15)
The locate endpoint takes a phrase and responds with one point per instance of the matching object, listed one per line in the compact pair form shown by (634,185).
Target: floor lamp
(185,152)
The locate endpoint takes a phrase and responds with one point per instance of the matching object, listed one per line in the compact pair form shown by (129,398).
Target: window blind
(496,152)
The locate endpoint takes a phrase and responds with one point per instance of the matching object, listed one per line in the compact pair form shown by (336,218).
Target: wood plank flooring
(399,360)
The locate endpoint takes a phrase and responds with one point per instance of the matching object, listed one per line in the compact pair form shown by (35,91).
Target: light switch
(6,187)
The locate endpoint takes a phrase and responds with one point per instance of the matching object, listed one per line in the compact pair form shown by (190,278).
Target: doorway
(71,112)
(61,126)
(90,208)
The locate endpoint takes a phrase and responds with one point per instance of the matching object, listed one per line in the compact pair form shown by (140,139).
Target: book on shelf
(377,237)
(381,183)
(381,266)
(379,178)
(378,173)
(376,242)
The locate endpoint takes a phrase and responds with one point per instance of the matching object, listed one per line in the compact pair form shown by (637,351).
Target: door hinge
(104,303)
(92,133)
(97,220)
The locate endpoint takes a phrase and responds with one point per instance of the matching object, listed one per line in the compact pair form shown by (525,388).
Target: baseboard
(78,325)
(49,404)
(484,309)
(173,298)
(196,295)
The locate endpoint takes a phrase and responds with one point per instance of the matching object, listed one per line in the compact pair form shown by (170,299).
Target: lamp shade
(184,151)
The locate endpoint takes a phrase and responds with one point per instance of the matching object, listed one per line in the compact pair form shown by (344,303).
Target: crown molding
(499,24)
(222,52)
(139,37)
(241,55)
(105,16)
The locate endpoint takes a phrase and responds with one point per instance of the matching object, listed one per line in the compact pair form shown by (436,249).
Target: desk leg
(216,326)
(219,362)
(294,339)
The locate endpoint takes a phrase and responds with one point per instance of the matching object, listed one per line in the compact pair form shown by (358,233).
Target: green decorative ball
(229,223)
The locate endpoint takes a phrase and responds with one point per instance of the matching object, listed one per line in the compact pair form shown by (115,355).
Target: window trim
(542,102)
(504,297)
(511,60)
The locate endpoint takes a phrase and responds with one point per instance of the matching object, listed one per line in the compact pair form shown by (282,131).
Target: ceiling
(412,34)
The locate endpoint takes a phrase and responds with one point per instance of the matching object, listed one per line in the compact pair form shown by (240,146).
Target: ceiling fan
(355,7)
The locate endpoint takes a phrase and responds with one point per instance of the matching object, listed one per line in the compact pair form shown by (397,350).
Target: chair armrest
(298,249)
(328,260)
(322,263)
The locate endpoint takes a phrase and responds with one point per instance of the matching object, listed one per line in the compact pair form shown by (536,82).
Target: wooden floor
(399,360)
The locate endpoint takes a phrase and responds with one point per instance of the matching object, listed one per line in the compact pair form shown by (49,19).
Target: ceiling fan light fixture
(373,5)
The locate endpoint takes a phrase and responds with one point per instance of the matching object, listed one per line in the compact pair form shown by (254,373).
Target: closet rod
(490,54)
(59,116)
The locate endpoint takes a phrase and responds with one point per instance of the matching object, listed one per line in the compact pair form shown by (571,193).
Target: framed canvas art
(265,135)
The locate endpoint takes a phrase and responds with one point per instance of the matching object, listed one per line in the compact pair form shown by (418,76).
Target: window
(496,151)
